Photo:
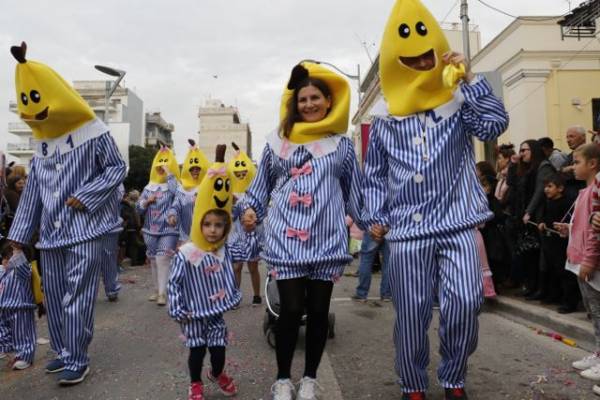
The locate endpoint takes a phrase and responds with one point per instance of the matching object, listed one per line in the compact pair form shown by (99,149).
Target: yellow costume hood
(164,158)
(45,101)
(194,158)
(410,60)
(336,120)
(241,169)
(214,193)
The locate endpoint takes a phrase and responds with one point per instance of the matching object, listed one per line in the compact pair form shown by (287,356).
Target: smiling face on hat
(241,169)
(164,162)
(194,168)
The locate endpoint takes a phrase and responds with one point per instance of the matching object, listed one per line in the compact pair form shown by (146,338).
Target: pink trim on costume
(285,148)
(211,269)
(316,148)
(306,169)
(195,256)
(301,234)
(220,295)
(295,199)
(212,172)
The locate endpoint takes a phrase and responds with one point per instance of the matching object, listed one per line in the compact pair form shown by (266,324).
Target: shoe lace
(309,386)
(282,387)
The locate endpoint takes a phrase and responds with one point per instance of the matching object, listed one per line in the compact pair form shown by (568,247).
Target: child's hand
(75,203)
(526,218)
(562,228)
(596,221)
(172,220)
(378,232)
(586,272)
(151,199)
(455,58)
(542,227)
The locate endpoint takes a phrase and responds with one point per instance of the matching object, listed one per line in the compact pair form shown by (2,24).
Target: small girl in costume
(202,286)
(160,230)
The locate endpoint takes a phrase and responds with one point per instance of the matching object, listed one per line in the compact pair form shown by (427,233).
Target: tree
(140,161)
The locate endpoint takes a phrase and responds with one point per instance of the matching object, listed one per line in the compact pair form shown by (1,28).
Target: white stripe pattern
(17,333)
(15,285)
(208,331)
(183,209)
(156,214)
(110,266)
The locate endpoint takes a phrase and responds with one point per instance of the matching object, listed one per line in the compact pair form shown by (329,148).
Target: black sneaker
(566,309)
(256,301)
(456,394)
(414,396)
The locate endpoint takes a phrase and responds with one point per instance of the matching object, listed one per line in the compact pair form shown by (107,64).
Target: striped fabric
(86,166)
(420,170)
(110,266)
(160,245)
(252,241)
(70,277)
(156,214)
(209,331)
(416,265)
(17,333)
(183,209)
(311,232)
(202,284)
(15,285)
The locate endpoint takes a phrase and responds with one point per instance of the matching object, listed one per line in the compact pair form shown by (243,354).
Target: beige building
(220,124)
(158,130)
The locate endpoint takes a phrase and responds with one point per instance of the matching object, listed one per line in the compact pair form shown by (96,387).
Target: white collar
(317,148)
(70,141)
(195,255)
(191,192)
(157,187)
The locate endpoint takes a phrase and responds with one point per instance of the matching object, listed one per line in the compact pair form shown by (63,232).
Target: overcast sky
(172,49)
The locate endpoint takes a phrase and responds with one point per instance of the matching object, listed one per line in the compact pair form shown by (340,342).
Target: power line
(521,18)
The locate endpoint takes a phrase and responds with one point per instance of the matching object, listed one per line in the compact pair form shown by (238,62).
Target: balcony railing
(21,147)
(18,127)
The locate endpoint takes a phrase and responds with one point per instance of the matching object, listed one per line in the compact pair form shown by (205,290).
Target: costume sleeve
(172,185)
(177,308)
(351,183)
(176,207)
(112,168)
(28,216)
(376,178)
(591,255)
(21,267)
(483,114)
(259,193)
(141,206)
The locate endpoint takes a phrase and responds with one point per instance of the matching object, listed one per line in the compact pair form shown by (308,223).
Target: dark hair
(6,250)
(506,150)
(485,168)
(556,179)
(546,143)
(222,214)
(298,81)
(537,156)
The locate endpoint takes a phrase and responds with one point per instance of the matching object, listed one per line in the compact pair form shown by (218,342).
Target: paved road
(137,353)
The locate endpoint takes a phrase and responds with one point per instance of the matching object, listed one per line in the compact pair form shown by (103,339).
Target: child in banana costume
(202,285)
(160,230)
(71,196)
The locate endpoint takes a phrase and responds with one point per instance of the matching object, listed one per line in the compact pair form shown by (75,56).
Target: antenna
(363,43)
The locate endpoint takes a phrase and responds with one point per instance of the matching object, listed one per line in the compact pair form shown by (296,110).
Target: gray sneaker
(283,389)
(359,299)
(308,389)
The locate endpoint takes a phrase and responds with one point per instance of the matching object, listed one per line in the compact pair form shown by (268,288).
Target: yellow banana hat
(410,60)
(194,158)
(45,101)
(241,169)
(214,193)
(336,120)
(164,158)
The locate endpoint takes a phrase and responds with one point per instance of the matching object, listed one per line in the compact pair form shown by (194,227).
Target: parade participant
(309,180)
(110,266)
(193,171)
(17,308)
(69,196)
(242,171)
(160,231)
(202,285)
(421,186)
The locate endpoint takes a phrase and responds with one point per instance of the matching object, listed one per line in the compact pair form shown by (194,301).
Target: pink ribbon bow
(220,295)
(195,256)
(301,234)
(212,172)
(295,199)
(211,269)
(306,169)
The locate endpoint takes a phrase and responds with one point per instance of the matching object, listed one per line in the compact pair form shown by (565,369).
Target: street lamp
(349,76)
(110,88)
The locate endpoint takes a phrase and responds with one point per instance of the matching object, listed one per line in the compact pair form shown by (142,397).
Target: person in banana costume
(71,196)
(422,193)
(202,284)
(308,179)
(161,229)
(242,171)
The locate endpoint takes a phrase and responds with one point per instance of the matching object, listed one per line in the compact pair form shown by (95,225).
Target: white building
(221,125)
(158,130)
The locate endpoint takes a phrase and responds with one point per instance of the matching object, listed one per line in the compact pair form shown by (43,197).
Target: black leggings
(296,296)
(217,361)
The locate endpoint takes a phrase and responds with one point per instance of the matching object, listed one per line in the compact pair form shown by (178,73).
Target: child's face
(213,228)
(583,169)
(552,191)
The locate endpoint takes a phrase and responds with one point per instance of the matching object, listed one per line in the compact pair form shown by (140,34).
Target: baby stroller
(272,313)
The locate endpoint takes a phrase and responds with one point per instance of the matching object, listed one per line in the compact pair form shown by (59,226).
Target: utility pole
(464,16)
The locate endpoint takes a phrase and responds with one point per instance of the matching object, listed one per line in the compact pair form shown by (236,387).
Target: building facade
(158,130)
(220,124)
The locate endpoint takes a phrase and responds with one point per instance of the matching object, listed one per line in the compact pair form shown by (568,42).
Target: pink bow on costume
(301,234)
(220,295)
(211,269)
(212,172)
(306,169)
(295,199)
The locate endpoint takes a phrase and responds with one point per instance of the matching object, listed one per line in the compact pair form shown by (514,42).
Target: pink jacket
(584,247)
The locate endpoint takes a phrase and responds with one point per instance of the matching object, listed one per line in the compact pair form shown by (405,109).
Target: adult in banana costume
(421,189)
(160,230)
(309,179)
(71,195)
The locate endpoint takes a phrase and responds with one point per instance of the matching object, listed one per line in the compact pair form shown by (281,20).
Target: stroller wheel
(331,326)
(270,337)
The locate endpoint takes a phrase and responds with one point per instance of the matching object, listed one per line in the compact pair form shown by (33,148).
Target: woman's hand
(562,228)
(455,58)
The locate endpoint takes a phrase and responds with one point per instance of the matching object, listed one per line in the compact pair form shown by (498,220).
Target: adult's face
(525,153)
(575,139)
(501,162)
(312,104)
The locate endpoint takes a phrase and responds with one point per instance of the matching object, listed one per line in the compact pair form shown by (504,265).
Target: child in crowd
(17,308)
(202,285)
(560,284)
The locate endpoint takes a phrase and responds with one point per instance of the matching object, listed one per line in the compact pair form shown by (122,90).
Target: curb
(530,314)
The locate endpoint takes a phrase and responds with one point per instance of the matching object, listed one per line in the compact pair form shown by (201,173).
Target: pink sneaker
(224,381)
(196,391)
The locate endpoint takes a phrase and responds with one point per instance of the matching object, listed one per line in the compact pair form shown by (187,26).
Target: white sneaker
(283,389)
(596,389)
(161,300)
(308,389)
(592,373)
(42,341)
(587,362)
(20,364)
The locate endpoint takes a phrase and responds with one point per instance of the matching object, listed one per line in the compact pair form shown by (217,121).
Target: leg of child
(217,360)
(592,298)
(6,340)
(24,334)
(237,270)
(195,361)
(318,297)
(254,276)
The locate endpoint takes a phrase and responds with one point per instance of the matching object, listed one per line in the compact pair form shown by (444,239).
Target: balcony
(19,128)
(20,148)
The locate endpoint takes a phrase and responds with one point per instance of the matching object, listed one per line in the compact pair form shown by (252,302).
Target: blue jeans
(368,251)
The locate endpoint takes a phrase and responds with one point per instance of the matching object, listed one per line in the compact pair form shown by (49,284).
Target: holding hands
(378,232)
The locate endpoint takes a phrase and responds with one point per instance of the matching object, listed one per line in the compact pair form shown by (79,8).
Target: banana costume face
(194,158)
(241,169)
(45,101)
(336,120)
(166,159)
(410,60)
(214,193)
